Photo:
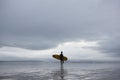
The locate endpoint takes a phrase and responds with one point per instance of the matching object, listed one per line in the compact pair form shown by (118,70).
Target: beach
(31,70)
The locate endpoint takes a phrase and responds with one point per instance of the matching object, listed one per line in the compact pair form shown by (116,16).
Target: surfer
(61,57)
(62,61)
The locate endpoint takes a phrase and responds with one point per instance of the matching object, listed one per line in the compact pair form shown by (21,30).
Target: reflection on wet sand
(59,74)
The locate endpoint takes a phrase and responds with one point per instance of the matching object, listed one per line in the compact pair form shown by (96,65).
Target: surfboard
(56,56)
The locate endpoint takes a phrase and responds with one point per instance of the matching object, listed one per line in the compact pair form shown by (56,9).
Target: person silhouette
(62,61)
(61,57)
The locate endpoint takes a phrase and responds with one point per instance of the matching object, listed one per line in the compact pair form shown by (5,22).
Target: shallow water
(52,71)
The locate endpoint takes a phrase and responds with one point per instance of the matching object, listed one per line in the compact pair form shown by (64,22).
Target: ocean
(51,71)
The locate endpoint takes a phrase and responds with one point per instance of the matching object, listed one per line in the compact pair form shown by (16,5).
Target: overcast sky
(82,29)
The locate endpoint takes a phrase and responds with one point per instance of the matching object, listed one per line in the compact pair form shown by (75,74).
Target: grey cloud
(39,24)
(111,46)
